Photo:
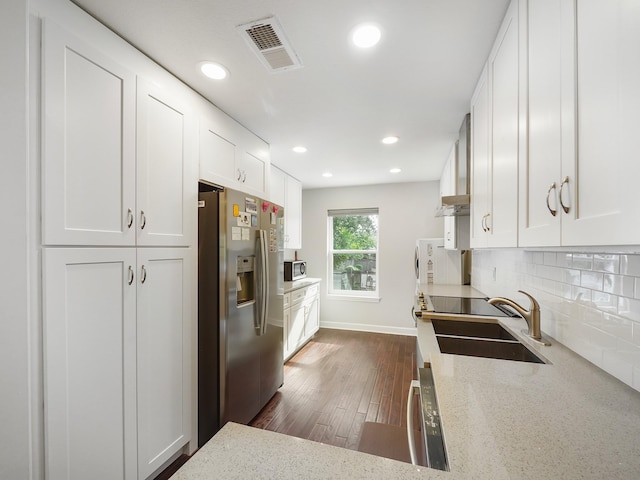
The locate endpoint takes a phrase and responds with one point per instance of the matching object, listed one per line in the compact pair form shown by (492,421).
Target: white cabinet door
(217,153)
(504,81)
(277,187)
(601,101)
(89,313)
(88,144)
(480,164)
(165,187)
(312,317)
(252,174)
(541,132)
(293,213)
(232,156)
(165,299)
(295,332)
(448,187)
(287,349)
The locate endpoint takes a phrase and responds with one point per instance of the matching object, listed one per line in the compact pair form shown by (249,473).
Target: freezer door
(240,344)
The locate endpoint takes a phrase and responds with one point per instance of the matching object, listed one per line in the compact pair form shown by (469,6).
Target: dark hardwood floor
(337,382)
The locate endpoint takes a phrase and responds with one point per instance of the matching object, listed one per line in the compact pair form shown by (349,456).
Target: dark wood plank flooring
(337,382)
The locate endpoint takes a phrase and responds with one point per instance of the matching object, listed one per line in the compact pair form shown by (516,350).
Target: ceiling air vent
(267,40)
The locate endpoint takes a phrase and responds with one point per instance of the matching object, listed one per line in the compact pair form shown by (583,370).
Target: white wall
(589,298)
(15,319)
(406,213)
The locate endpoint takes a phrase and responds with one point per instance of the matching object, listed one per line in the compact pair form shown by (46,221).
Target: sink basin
(462,328)
(480,339)
(479,347)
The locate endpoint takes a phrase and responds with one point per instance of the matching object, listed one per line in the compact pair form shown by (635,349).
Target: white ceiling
(416,83)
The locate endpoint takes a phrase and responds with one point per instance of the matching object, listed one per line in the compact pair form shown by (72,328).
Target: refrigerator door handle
(263,287)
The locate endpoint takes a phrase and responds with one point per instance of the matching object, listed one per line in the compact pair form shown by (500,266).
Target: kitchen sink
(471,329)
(482,347)
(480,339)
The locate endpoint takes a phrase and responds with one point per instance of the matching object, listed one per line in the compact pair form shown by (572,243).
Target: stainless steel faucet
(532,316)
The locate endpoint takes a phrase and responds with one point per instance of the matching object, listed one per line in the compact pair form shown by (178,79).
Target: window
(353,252)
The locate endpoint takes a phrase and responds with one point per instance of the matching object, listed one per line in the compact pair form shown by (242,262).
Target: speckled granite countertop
(241,452)
(501,420)
(304,282)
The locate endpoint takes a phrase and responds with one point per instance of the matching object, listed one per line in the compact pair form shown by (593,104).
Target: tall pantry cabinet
(118,225)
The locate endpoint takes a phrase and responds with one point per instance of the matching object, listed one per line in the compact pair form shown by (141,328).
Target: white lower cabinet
(164,307)
(301,317)
(116,360)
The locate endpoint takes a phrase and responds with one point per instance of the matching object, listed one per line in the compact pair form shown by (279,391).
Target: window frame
(362,295)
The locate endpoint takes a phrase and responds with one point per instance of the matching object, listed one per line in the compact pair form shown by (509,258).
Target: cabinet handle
(143,274)
(143,220)
(485,225)
(244,176)
(239,175)
(130,275)
(129,218)
(564,207)
(553,211)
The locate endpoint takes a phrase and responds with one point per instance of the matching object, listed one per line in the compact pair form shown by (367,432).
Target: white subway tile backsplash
(563,259)
(549,258)
(590,301)
(582,261)
(619,362)
(570,276)
(580,294)
(630,265)
(629,308)
(592,280)
(618,326)
(619,284)
(606,263)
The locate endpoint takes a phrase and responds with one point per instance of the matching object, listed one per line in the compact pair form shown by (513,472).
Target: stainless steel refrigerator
(240,306)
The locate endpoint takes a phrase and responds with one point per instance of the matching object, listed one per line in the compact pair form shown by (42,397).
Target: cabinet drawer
(287,300)
(312,291)
(298,295)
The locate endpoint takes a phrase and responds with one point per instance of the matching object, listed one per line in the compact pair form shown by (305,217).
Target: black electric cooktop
(468,306)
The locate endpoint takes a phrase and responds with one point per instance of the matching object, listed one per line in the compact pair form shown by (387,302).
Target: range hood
(458,204)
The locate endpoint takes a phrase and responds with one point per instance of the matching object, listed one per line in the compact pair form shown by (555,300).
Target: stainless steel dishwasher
(430,426)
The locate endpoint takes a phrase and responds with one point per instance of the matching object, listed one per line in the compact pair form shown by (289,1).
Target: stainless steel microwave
(295,270)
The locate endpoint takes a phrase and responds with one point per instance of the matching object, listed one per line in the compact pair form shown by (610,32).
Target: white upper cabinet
(277,186)
(166,137)
(448,187)
(541,129)
(118,162)
(88,150)
(582,97)
(287,191)
(231,156)
(480,211)
(503,71)
(293,213)
(601,101)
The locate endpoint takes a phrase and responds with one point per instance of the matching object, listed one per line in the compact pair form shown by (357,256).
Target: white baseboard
(359,327)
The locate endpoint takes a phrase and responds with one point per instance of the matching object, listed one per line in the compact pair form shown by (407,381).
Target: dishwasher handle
(414,389)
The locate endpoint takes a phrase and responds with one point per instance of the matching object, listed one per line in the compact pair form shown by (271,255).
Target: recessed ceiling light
(395,170)
(214,70)
(299,149)
(390,140)
(327,174)
(366,35)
